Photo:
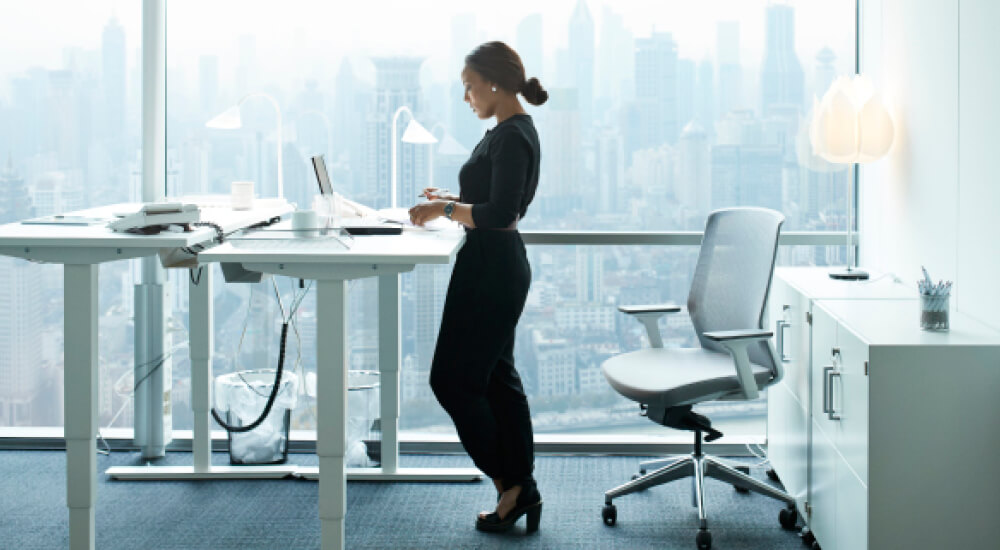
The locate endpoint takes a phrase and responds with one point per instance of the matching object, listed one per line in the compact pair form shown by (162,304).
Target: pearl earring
(494,89)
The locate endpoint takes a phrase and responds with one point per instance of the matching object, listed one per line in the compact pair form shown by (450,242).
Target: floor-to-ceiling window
(69,139)
(658,113)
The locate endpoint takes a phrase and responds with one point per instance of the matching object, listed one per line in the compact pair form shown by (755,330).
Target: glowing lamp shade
(416,133)
(851,123)
(227,120)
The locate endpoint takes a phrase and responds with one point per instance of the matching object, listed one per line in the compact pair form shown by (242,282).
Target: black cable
(270,399)
(159,363)
(195,280)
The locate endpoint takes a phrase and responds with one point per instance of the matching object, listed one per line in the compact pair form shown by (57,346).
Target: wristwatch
(449,208)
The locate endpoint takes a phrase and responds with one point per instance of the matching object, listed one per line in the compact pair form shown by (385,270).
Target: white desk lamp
(850,125)
(414,133)
(230,119)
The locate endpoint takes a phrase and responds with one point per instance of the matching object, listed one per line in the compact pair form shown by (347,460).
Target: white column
(200,338)
(148,403)
(331,398)
(80,400)
(388,367)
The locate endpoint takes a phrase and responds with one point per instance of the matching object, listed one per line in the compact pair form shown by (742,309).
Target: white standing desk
(331,266)
(81,249)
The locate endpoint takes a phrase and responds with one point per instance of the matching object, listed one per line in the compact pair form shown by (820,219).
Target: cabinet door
(850,401)
(788,413)
(823,491)
(852,509)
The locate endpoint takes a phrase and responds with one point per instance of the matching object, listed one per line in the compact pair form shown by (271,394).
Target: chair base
(697,466)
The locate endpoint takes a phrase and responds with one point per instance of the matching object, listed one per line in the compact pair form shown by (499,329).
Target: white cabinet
(790,305)
(901,424)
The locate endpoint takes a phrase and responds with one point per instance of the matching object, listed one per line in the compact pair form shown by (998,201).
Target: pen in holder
(934,303)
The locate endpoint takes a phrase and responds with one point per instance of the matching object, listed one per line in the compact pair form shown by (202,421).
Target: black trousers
(472,373)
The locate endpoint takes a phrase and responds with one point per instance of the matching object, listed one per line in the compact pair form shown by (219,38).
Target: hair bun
(534,92)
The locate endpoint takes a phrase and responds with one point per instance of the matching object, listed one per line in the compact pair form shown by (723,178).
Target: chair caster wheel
(703,540)
(609,514)
(635,477)
(740,488)
(808,538)
(772,475)
(788,517)
(642,471)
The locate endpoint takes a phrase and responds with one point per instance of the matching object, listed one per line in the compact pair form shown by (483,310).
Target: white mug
(242,195)
(305,219)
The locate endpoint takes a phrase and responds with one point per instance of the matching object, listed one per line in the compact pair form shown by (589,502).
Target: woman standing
(473,374)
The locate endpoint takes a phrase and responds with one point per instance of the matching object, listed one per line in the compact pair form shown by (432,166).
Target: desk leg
(80,400)
(388,366)
(200,317)
(331,379)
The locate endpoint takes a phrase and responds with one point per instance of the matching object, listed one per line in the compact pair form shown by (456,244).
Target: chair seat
(676,376)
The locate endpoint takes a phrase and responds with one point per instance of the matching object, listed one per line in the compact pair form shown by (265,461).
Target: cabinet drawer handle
(828,374)
(779,331)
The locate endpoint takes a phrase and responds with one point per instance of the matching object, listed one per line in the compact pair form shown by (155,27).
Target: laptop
(356,227)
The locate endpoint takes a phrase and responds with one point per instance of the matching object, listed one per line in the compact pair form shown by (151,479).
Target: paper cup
(242,195)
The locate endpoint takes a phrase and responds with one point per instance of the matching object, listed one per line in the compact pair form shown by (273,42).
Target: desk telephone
(157,214)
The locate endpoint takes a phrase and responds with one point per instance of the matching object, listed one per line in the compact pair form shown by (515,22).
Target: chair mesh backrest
(733,276)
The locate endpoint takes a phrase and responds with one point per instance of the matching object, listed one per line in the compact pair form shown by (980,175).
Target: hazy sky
(319,33)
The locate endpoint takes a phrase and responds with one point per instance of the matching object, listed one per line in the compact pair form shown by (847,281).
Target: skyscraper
(781,79)
(693,186)
(656,90)
(397,84)
(727,55)
(615,59)
(562,144)
(21,324)
(581,54)
(113,82)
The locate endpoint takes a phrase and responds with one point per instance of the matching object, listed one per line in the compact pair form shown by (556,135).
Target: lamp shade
(851,123)
(227,120)
(415,133)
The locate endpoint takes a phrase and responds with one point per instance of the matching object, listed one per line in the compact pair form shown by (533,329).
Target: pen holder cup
(934,311)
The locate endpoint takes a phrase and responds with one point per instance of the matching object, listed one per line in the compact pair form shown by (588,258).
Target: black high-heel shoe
(529,503)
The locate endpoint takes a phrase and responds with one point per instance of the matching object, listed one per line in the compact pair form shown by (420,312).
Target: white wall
(934,200)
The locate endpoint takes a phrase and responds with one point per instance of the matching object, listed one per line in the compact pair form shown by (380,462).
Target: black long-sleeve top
(501,175)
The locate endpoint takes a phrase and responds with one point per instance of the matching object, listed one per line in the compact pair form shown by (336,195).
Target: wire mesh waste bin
(363,436)
(242,396)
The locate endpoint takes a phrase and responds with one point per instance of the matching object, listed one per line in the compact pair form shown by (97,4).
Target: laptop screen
(322,177)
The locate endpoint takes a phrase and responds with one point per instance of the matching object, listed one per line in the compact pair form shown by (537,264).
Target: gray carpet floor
(282,514)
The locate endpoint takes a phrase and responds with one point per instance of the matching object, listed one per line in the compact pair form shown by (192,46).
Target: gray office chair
(735,361)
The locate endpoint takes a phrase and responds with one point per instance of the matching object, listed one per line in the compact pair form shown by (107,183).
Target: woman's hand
(425,212)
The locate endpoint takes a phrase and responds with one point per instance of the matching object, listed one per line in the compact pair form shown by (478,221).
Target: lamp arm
(392,177)
(277,110)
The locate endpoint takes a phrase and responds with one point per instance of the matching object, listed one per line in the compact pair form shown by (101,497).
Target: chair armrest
(654,308)
(749,335)
(736,343)
(649,315)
